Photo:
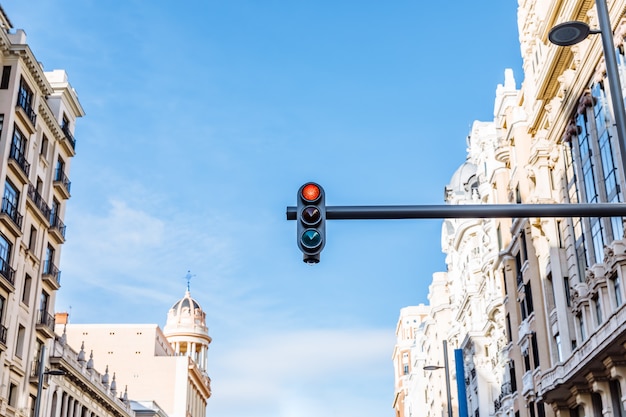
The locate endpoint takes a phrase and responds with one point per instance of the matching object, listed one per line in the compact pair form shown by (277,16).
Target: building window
(25,98)
(5,254)
(526,357)
(11,201)
(6,75)
(43,151)
(2,303)
(19,345)
(44,300)
(581,327)
(26,289)
(559,347)
(535,349)
(512,377)
(526,303)
(595,173)
(617,289)
(616,402)
(54,212)
(523,246)
(12,400)
(32,239)
(597,305)
(18,150)
(568,294)
(508,328)
(518,266)
(541,409)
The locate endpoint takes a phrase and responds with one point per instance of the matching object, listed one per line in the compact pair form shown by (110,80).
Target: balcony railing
(69,136)
(10,209)
(7,272)
(25,105)
(56,223)
(50,269)
(505,391)
(34,195)
(59,176)
(17,155)
(3,335)
(45,319)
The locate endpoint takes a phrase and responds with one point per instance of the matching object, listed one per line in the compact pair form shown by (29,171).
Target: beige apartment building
(38,113)
(167,367)
(561,279)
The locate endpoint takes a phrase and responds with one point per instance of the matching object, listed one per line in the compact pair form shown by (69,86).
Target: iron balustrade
(7,272)
(69,136)
(24,102)
(10,209)
(45,319)
(56,223)
(18,156)
(505,390)
(50,269)
(59,176)
(34,195)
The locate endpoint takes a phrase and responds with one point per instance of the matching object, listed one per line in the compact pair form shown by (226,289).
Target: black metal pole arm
(469,211)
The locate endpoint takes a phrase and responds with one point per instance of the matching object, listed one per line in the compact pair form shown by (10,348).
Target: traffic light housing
(311,219)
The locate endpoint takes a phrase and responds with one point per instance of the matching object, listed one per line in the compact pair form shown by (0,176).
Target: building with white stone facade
(562,305)
(38,114)
(465,309)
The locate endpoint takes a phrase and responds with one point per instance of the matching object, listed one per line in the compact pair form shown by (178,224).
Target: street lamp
(570,33)
(40,374)
(447,371)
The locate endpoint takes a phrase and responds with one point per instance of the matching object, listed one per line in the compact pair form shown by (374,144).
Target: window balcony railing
(57,223)
(69,136)
(50,270)
(45,320)
(59,176)
(10,209)
(34,195)
(19,157)
(24,103)
(7,272)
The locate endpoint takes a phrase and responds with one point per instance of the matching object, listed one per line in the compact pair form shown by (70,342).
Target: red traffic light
(310,192)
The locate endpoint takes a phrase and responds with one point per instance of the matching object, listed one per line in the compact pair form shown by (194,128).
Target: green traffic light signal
(311,239)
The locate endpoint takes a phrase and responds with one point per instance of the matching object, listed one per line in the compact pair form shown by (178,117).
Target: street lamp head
(433,367)
(59,372)
(569,33)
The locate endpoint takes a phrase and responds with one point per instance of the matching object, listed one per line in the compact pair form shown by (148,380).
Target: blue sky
(203,120)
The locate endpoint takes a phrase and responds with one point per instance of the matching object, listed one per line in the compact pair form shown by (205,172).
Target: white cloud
(309,372)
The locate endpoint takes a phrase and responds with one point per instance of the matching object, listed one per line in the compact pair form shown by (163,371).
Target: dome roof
(463,184)
(185,304)
(186,317)
(461,177)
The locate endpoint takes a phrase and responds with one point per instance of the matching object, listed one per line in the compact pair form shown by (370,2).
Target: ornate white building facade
(554,342)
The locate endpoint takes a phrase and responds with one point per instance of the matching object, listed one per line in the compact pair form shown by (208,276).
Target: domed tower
(186,330)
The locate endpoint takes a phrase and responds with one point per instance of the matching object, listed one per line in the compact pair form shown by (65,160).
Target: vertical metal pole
(612,73)
(40,371)
(447,370)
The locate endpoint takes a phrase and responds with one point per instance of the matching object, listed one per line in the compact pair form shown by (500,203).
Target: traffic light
(311,222)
